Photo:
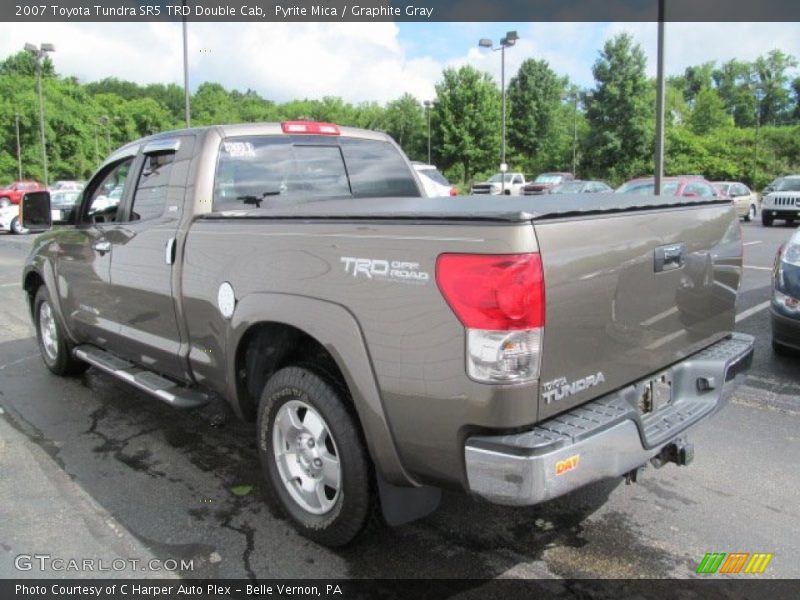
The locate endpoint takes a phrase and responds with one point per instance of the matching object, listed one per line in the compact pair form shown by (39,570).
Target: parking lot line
(759,268)
(751,311)
(8,284)
(752,243)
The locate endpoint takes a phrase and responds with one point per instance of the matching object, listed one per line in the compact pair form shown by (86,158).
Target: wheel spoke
(321,497)
(331,473)
(292,468)
(308,490)
(289,425)
(314,425)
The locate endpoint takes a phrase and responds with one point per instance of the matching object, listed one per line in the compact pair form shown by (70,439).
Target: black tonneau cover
(467,208)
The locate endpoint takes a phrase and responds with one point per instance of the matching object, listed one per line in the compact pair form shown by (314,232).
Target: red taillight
(453,191)
(501,292)
(313,127)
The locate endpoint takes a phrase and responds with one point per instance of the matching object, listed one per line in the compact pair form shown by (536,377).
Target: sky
(369,61)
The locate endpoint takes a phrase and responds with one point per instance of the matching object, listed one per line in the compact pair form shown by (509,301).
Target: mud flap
(401,505)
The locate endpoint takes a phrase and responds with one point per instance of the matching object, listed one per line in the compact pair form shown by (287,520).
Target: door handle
(169,251)
(670,257)
(102,246)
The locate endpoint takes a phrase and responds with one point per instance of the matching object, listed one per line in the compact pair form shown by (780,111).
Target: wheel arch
(309,330)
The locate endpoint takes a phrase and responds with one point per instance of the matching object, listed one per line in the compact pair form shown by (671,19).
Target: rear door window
(150,197)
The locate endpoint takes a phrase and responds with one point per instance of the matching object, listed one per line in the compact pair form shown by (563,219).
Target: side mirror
(35,214)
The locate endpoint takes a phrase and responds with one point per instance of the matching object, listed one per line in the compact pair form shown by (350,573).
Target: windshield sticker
(239,149)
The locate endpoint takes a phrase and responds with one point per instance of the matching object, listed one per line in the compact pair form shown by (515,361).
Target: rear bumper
(606,437)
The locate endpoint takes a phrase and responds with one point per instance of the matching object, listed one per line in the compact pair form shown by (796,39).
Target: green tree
(773,84)
(404,120)
(23,63)
(535,124)
(734,83)
(796,91)
(621,119)
(465,122)
(708,112)
(697,78)
(212,104)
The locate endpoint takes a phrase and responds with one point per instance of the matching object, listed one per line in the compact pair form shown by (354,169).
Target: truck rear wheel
(315,462)
(766,220)
(55,348)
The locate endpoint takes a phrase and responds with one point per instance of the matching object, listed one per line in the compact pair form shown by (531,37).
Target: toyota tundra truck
(389,345)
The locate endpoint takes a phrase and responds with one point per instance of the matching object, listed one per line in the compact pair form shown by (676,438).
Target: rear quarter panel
(414,341)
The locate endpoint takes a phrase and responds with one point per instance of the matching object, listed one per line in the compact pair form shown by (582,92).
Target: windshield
(64,198)
(548,178)
(644,188)
(497,178)
(434,175)
(788,185)
(571,187)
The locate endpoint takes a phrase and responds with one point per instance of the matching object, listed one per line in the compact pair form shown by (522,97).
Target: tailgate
(631,293)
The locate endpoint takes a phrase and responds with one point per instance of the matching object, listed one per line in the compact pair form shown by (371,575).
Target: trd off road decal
(380,269)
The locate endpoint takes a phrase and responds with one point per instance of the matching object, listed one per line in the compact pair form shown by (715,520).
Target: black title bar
(398,10)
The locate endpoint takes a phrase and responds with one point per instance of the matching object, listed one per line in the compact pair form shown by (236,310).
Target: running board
(162,388)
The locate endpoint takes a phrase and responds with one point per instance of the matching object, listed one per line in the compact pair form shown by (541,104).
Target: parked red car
(12,194)
(681,185)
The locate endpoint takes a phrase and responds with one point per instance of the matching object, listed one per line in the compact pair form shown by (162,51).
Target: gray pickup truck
(386,344)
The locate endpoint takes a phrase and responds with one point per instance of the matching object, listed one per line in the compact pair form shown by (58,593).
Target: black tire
(59,358)
(16,227)
(355,504)
(766,221)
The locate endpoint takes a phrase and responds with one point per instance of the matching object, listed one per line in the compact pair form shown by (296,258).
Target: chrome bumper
(606,437)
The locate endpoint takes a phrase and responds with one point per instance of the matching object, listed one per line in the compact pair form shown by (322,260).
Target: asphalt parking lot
(91,468)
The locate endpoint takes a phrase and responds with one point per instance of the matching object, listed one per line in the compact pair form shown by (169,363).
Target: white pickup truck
(495,185)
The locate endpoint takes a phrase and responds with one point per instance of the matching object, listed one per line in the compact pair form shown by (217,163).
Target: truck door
(143,252)
(83,258)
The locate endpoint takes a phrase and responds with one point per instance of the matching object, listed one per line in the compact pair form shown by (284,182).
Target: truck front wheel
(16,227)
(55,348)
(315,462)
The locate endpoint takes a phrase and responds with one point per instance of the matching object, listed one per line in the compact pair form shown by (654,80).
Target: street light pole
(39,54)
(758,127)
(503,164)
(19,147)
(187,107)
(509,40)
(575,136)
(96,147)
(428,105)
(660,88)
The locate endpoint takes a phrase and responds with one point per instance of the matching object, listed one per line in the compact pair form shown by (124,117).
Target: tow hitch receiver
(680,452)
